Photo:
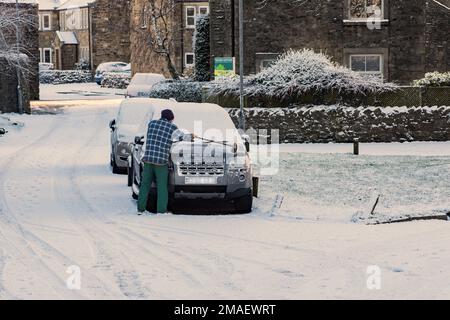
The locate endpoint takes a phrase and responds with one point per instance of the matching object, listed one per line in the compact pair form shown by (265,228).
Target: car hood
(127,133)
(206,153)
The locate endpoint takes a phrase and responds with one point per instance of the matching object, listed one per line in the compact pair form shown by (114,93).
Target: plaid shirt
(159,141)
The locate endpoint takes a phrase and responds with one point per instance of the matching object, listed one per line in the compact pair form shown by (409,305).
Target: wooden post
(356,146)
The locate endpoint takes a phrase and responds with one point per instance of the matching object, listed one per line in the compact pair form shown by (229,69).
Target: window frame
(203,7)
(44,50)
(381,69)
(348,19)
(188,26)
(44,15)
(186,64)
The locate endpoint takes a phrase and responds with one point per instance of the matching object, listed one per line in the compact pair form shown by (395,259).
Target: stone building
(182,20)
(93,31)
(30,52)
(399,40)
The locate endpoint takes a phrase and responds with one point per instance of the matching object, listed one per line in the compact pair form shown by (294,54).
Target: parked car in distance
(124,129)
(43,66)
(206,168)
(142,83)
(111,67)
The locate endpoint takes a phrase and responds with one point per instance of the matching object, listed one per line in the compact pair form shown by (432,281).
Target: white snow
(67,37)
(79,91)
(60,206)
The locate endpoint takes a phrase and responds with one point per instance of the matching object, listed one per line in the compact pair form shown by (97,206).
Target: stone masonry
(111,31)
(413,38)
(323,124)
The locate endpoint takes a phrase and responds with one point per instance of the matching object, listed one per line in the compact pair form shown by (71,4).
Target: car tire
(115,168)
(244,204)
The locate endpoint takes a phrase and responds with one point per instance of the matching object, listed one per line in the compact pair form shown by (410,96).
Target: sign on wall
(224,67)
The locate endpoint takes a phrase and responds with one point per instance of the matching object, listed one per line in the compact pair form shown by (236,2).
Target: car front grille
(201,169)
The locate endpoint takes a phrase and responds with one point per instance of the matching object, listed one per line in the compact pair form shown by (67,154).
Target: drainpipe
(91,49)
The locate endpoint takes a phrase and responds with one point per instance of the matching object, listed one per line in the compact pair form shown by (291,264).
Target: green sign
(224,67)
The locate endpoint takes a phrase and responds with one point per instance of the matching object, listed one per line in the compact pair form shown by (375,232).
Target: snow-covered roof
(67,37)
(69,4)
(20,1)
(49,4)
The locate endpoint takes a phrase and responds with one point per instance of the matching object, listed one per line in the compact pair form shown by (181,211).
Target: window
(203,10)
(266,64)
(190,17)
(363,9)
(46,22)
(84,54)
(189,59)
(84,18)
(62,20)
(370,64)
(46,55)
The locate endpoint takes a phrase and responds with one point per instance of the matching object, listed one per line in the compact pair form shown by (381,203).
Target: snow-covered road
(60,207)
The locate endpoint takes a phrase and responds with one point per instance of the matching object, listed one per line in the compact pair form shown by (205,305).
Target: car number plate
(201,180)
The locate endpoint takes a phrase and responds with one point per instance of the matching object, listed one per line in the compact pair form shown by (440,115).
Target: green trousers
(161,172)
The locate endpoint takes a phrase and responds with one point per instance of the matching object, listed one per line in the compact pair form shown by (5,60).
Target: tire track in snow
(117,262)
(16,231)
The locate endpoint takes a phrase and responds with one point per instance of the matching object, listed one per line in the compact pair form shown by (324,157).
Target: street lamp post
(241,65)
(19,86)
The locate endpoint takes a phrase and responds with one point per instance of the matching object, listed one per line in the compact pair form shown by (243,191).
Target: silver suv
(214,167)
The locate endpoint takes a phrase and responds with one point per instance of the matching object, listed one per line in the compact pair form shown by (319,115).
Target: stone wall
(412,41)
(323,124)
(110,31)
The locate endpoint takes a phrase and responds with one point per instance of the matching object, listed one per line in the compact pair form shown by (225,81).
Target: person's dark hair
(167,114)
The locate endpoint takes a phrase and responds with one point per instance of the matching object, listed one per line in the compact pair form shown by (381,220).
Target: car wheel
(244,204)
(115,168)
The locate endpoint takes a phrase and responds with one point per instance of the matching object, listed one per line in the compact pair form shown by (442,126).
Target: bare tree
(12,49)
(158,30)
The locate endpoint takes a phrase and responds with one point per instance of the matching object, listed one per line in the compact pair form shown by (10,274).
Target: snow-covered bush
(116,80)
(180,90)
(202,50)
(296,73)
(434,79)
(83,65)
(64,76)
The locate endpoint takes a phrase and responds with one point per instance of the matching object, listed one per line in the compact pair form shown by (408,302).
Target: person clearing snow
(156,159)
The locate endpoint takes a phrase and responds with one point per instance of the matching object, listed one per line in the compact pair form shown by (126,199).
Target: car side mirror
(139,140)
(112,124)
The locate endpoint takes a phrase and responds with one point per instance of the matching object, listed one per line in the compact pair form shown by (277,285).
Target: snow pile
(300,72)
(434,79)
(64,76)
(116,80)
(180,90)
